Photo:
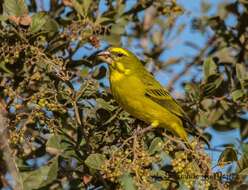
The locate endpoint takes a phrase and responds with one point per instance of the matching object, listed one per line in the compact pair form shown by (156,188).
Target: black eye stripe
(120,54)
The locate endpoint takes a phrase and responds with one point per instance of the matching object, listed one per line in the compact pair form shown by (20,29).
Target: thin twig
(136,133)
(117,112)
(178,141)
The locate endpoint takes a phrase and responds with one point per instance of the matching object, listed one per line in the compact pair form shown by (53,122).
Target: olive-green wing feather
(156,92)
(162,97)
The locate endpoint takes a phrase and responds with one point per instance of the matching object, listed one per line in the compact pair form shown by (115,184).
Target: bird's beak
(105,56)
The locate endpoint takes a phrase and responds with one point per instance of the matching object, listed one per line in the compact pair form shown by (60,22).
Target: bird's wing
(157,93)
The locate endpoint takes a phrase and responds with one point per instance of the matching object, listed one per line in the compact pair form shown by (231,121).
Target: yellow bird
(140,94)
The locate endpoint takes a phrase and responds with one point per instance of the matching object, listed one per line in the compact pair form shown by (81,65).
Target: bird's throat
(118,71)
(116,75)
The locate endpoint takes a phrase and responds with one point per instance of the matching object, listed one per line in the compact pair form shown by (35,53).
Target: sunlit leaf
(15,7)
(114,39)
(86,5)
(156,145)
(193,91)
(55,145)
(78,7)
(209,68)
(42,21)
(51,26)
(242,164)
(242,74)
(237,94)
(103,20)
(215,115)
(4,68)
(95,161)
(3,18)
(104,104)
(40,177)
(211,86)
(127,182)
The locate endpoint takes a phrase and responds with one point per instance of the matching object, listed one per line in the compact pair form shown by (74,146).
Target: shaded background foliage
(66,131)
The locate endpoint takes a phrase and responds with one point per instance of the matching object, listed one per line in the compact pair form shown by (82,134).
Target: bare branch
(7,154)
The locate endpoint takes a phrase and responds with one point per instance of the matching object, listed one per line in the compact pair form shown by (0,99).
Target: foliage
(66,130)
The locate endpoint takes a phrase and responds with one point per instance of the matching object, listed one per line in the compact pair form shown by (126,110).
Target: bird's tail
(196,132)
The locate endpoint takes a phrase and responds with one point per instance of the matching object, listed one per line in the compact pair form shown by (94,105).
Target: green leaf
(242,164)
(193,91)
(78,7)
(227,156)
(224,105)
(95,161)
(54,142)
(126,182)
(59,145)
(242,74)
(213,83)
(244,147)
(158,173)
(40,177)
(121,9)
(237,94)
(3,18)
(156,145)
(86,5)
(113,39)
(42,22)
(164,184)
(119,27)
(244,172)
(101,103)
(54,145)
(202,118)
(51,26)
(215,115)
(103,20)
(38,22)
(207,103)
(15,7)
(209,68)
(5,69)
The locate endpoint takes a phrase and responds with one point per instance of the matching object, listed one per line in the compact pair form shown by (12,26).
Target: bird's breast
(129,92)
(126,87)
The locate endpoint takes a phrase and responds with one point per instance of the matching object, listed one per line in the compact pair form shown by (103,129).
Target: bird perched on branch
(141,94)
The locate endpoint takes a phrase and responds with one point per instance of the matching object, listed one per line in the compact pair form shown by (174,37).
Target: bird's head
(120,59)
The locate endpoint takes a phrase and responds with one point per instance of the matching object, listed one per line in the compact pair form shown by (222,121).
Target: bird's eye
(120,54)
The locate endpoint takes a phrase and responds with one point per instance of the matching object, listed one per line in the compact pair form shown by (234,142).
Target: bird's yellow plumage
(140,94)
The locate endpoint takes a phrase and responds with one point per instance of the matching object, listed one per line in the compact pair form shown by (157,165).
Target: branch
(8,157)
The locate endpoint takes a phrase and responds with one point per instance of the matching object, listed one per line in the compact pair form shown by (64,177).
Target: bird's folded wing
(161,96)
(157,93)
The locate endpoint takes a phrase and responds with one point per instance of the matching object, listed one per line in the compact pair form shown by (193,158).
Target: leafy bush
(66,131)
